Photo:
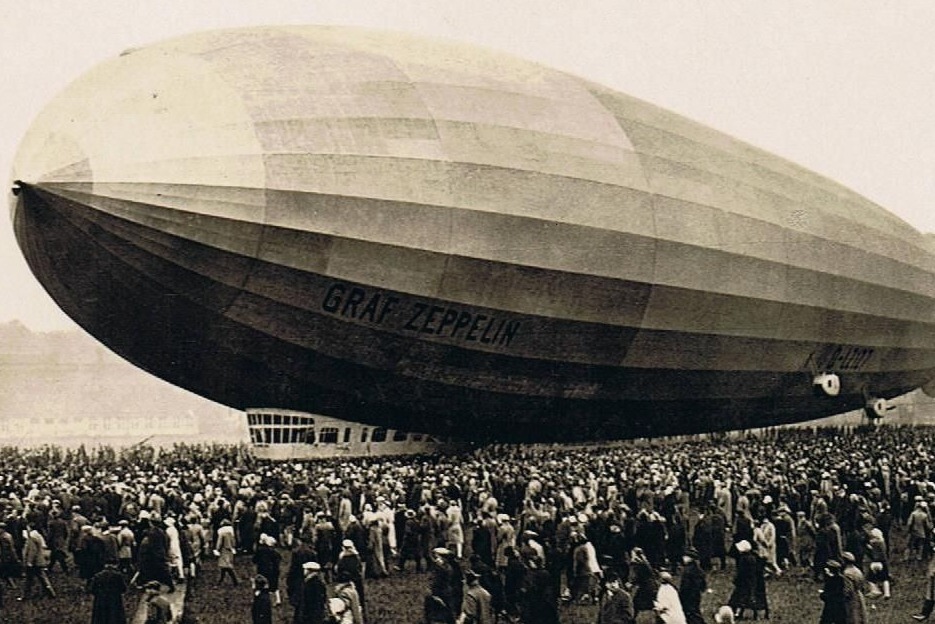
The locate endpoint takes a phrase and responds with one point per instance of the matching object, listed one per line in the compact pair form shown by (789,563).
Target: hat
(410,513)
(724,615)
(615,528)
(665,577)
(503,518)
(691,552)
(267,540)
(337,606)
(311,565)
(170,521)
(470,576)
(848,557)
(743,546)
(260,581)
(441,551)
(152,586)
(832,565)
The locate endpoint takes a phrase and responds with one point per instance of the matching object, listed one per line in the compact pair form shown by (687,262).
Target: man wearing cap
(854,587)
(447,581)
(920,527)
(312,604)
(126,543)
(476,608)
(36,560)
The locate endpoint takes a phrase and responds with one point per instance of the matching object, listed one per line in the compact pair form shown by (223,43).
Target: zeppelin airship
(435,237)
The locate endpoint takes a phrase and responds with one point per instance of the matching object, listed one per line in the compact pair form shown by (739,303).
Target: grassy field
(793,597)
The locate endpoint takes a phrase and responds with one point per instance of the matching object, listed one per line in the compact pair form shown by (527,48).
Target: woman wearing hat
(745,582)
(351,566)
(224,550)
(268,561)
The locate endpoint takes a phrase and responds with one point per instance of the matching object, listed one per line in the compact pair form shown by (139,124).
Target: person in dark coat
(703,540)
(295,577)
(261,610)
(267,562)
(154,556)
(10,563)
(645,582)
(616,604)
(108,587)
(514,579)
(246,529)
(744,595)
(58,541)
(692,587)
(447,580)
(834,610)
(312,607)
(540,601)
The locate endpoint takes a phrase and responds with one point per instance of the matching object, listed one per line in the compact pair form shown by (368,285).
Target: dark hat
(152,586)
(833,565)
(691,552)
(471,576)
(259,581)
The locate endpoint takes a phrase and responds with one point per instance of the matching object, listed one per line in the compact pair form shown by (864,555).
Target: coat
(262,609)
(834,610)
(691,589)
(312,607)
(744,594)
(477,606)
(854,605)
(226,547)
(616,608)
(108,587)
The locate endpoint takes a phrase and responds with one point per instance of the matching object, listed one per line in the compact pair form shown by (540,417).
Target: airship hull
(365,235)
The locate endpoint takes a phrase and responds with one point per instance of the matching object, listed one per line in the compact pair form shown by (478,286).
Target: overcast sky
(843,88)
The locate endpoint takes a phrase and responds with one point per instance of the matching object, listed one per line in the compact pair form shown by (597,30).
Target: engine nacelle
(876,408)
(829,383)
(929,388)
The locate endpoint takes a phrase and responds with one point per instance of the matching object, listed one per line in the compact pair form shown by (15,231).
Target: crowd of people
(507,533)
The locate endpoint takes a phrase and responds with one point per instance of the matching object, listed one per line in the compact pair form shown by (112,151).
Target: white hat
(311,565)
(744,546)
(724,615)
(337,606)
(347,544)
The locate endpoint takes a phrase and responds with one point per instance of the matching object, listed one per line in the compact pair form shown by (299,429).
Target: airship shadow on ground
(440,238)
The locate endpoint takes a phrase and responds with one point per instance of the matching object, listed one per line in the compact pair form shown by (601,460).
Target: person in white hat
(313,601)
(351,566)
